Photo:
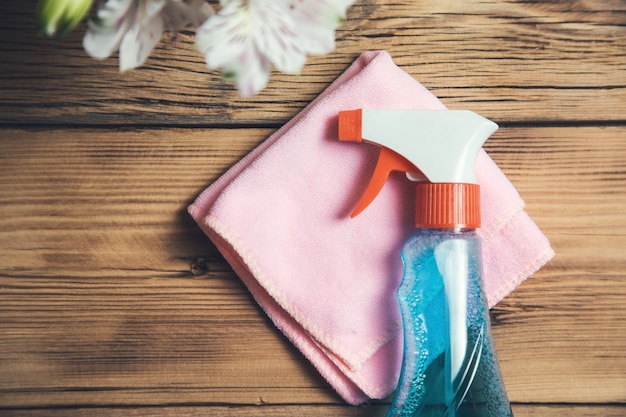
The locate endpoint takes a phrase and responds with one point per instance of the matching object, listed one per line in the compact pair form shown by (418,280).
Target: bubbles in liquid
(425,387)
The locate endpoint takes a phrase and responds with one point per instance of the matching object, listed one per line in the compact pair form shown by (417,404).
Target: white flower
(317,21)
(135,27)
(246,37)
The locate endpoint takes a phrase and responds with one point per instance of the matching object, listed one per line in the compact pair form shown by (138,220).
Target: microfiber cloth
(280,217)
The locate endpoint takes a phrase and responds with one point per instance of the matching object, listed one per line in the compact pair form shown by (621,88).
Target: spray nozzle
(350,130)
(440,144)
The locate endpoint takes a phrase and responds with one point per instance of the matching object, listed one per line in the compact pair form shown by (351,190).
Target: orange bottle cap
(447,205)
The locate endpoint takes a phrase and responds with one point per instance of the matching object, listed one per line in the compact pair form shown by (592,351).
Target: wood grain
(109,295)
(377,410)
(113,302)
(296,410)
(512,61)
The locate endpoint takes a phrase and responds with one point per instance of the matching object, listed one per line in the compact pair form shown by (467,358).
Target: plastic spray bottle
(449,366)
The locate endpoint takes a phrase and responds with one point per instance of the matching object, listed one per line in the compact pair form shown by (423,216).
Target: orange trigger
(388,161)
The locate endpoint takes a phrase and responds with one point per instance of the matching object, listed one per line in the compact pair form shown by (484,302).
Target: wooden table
(113,303)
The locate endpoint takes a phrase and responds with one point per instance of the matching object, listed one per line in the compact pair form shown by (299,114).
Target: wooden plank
(573,181)
(377,410)
(98,188)
(562,61)
(123,341)
(575,186)
(109,295)
(556,339)
(121,194)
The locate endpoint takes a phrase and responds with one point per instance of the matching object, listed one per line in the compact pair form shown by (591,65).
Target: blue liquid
(450,367)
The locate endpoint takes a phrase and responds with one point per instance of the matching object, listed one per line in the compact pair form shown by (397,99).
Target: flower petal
(179,15)
(106,31)
(251,72)
(246,36)
(225,36)
(276,35)
(139,42)
(240,23)
(317,21)
(149,9)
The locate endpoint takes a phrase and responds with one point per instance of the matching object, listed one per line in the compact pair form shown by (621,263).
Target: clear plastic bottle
(450,367)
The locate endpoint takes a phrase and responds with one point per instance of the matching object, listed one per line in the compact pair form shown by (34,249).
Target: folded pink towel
(280,217)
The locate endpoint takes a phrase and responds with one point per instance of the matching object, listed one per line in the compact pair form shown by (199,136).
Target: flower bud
(61,16)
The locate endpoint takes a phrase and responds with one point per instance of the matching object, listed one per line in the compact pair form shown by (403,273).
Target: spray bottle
(449,366)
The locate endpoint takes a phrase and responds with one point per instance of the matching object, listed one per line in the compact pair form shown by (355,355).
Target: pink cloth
(280,217)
